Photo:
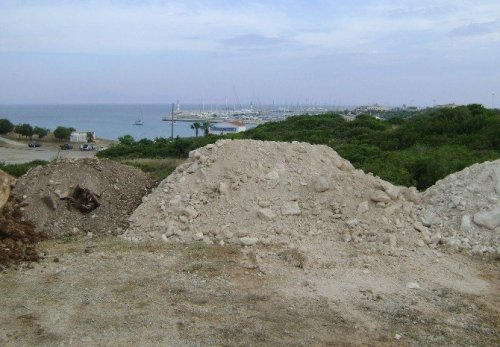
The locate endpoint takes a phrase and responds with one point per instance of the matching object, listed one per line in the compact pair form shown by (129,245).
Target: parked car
(66,146)
(34,144)
(87,147)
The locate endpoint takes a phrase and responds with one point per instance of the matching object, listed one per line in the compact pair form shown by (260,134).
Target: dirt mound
(249,192)
(465,208)
(73,196)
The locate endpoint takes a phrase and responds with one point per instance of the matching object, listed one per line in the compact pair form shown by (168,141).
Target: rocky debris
(380,196)
(412,285)
(266,214)
(464,208)
(87,195)
(6,183)
(320,184)
(290,208)
(17,237)
(488,219)
(249,192)
(82,199)
(248,241)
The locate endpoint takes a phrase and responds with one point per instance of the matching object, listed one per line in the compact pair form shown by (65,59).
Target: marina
(112,121)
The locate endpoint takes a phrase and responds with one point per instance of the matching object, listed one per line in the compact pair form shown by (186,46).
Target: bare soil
(251,244)
(111,292)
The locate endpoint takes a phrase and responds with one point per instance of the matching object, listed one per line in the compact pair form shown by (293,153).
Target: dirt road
(16,152)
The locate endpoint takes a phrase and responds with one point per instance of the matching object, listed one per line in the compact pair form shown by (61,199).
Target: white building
(371,108)
(80,136)
(227,128)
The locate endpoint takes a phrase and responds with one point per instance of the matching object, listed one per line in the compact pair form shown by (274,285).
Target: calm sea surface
(108,121)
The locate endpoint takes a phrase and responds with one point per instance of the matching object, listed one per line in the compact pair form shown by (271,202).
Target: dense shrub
(18,170)
(415,150)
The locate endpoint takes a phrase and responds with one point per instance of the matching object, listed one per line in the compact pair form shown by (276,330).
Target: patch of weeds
(17,170)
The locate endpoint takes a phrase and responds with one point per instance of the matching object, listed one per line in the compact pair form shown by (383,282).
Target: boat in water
(139,122)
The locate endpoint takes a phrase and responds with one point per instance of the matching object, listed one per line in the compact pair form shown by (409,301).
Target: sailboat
(139,121)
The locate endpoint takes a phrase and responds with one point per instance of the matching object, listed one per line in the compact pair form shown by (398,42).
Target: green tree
(41,132)
(126,140)
(24,129)
(90,137)
(6,126)
(206,127)
(63,133)
(196,127)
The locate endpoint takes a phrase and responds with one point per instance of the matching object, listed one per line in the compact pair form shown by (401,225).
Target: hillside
(415,151)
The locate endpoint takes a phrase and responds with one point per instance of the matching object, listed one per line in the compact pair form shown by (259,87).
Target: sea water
(107,121)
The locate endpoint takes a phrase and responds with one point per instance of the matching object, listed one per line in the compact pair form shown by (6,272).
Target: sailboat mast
(172,127)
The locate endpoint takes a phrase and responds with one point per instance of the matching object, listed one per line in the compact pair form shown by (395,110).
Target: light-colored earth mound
(250,192)
(331,257)
(75,196)
(465,208)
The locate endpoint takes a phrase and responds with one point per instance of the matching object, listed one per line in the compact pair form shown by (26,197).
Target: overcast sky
(333,52)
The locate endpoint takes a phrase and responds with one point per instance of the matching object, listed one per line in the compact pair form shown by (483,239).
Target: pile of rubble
(464,207)
(249,192)
(17,238)
(76,196)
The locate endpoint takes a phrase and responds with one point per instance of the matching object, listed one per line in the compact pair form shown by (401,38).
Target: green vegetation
(206,127)
(408,151)
(41,132)
(416,150)
(90,137)
(158,148)
(63,133)
(18,170)
(6,126)
(24,129)
(196,127)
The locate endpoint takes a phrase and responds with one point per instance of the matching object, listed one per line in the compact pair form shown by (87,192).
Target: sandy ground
(305,284)
(16,152)
(110,292)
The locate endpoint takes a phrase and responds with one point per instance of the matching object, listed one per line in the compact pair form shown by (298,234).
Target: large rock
(290,208)
(320,184)
(380,196)
(266,214)
(489,219)
(412,194)
(466,223)
(248,241)
(363,207)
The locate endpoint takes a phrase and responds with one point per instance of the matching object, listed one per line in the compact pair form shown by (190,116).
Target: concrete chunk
(489,220)
(266,214)
(380,196)
(290,208)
